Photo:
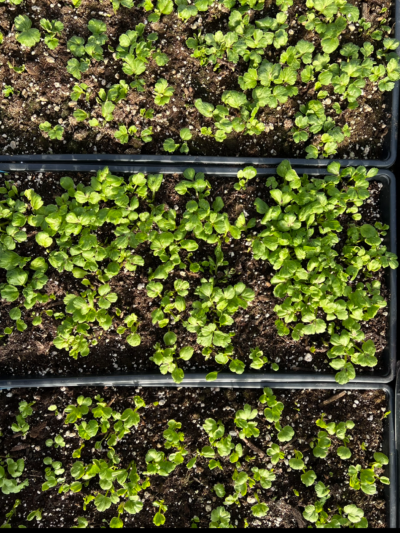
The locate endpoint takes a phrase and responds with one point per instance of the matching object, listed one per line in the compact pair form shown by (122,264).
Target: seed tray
(389,441)
(388,210)
(387,161)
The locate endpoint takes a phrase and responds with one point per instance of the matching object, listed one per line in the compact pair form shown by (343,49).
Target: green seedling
(163,92)
(168,360)
(14,469)
(365,478)
(54,133)
(52,28)
(27,35)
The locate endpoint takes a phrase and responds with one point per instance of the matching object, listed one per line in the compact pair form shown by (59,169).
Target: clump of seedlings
(103,480)
(296,232)
(319,60)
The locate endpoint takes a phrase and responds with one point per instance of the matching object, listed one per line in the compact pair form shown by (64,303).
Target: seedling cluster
(318,288)
(271,62)
(106,483)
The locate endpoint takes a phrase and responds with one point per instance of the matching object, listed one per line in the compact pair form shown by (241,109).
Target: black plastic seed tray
(386,375)
(389,441)
(387,161)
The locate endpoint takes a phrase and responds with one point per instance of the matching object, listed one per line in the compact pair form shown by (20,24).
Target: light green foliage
(35,514)
(187,10)
(245,176)
(163,7)
(322,445)
(123,134)
(365,478)
(58,442)
(349,517)
(259,360)
(7,91)
(296,234)
(312,119)
(163,92)
(27,35)
(12,2)
(301,226)
(243,420)
(170,146)
(11,485)
(52,28)
(117,483)
(185,134)
(339,430)
(243,40)
(168,359)
(21,426)
(220,519)
(87,308)
(108,482)
(274,410)
(70,223)
(13,214)
(81,521)
(122,3)
(84,52)
(10,514)
(80,90)
(214,310)
(246,122)
(12,231)
(135,50)
(269,84)
(53,473)
(159,517)
(54,133)
(157,464)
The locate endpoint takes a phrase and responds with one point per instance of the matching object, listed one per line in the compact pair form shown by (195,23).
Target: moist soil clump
(42,91)
(189,493)
(32,353)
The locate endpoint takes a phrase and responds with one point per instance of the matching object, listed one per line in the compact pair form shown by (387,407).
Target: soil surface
(189,493)
(32,352)
(42,90)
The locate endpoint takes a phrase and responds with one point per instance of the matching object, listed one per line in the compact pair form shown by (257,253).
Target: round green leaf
(159,519)
(9,293)
(170,338)
(219,490)
(133,339)
(15,313)
(381,458)
(133,506)
(178,375)
(44,239)
(17,276)
(116,523)
(344,452)
(186,353)
(296,464)
(185,134)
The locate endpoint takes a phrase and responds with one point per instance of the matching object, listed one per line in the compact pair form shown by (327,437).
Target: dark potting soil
(189,493)
(42,91)
(32,352)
